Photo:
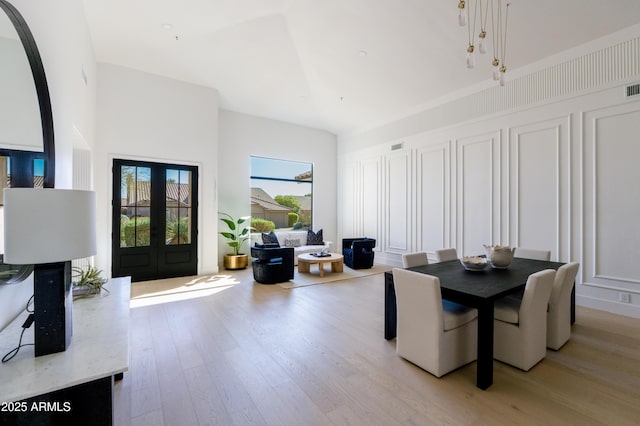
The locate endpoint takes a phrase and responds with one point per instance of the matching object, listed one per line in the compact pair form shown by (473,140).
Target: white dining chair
(437,336)
(443,255)
(520,326)
(415,259)
(532,254)
(559,311)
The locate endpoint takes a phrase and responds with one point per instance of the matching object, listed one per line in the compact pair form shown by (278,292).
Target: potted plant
(238,233)
(89,281)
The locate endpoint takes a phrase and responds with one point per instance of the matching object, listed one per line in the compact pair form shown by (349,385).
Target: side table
(307,259)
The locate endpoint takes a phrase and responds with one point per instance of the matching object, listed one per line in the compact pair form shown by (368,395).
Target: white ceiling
(300,61)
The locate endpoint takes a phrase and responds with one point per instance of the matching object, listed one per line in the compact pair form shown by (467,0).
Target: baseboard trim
(609,306)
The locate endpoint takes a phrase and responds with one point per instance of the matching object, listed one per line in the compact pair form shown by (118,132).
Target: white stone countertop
(99,347)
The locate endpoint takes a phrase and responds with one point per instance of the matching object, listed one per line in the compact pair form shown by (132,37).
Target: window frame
(256,177)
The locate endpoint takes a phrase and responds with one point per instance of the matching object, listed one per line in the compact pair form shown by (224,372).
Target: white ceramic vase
(499,256)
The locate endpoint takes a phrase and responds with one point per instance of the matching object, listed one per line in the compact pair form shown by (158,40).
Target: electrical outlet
(625,297)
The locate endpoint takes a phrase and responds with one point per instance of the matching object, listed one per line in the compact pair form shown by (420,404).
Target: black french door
(155,217)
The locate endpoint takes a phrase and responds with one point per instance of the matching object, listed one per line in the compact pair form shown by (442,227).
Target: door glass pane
(135,199)
(178,207)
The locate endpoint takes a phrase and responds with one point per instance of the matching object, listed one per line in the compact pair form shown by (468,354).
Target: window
(36,176)
(281,194)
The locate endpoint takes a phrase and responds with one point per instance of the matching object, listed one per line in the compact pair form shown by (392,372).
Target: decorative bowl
(474,263)
(499,256)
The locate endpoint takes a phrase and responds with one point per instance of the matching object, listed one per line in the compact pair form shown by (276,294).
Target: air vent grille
(633,90)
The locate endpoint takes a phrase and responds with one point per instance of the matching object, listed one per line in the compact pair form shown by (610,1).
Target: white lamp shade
(48,225)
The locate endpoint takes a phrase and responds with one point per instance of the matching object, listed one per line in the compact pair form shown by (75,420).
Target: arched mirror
(27,155)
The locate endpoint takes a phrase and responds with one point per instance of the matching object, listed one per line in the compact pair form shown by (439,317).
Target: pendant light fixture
(462,18)
(499,19)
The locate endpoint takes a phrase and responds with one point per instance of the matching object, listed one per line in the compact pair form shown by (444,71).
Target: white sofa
(283,236)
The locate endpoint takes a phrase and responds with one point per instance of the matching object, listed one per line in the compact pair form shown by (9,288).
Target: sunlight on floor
(175,289)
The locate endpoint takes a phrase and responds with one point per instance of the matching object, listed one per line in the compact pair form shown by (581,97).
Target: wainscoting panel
(433,197)
(560,176)
(398,195)
(475,180)
(349,205)
(538,168)
(370,194)
(612,204)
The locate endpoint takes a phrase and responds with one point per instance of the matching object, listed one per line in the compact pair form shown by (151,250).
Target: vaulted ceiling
(338,65)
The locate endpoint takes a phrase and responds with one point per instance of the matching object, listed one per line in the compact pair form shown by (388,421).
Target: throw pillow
(314,238)
(270,238)
(293,242)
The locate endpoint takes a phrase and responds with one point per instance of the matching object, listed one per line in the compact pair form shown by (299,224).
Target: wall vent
(397,146)
(633,90)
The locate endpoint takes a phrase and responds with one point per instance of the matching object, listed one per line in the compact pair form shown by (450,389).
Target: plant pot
(232,261)
(84,291)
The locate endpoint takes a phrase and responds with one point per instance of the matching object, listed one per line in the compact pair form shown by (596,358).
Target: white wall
(242,136)
(63,40)
(19,113)
(549,161)
(152,118)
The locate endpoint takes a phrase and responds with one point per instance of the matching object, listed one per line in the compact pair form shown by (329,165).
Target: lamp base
(53,307)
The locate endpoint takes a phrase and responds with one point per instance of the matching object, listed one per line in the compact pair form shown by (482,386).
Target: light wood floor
(260,354)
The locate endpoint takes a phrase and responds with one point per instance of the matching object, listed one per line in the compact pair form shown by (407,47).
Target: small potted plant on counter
(238,233)
(87,282)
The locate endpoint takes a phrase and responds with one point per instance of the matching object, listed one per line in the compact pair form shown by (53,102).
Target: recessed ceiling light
(167,26)
(362,53)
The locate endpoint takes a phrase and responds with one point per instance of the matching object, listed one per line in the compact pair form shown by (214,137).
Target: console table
(74,386)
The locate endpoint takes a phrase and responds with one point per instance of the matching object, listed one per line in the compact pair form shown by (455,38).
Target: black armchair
(272,264)
(358,252)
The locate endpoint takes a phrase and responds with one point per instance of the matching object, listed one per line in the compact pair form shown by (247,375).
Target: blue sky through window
(38,167)
(271,168)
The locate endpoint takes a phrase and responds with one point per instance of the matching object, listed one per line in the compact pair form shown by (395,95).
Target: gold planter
(232,261)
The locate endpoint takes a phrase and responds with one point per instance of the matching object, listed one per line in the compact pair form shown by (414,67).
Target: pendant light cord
(504,43)
(483,21)
(494,31)
(472,32)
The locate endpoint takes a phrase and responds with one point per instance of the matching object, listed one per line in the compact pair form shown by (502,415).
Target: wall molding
(370,188)
(492,140)
(608,305)
(620,279)
(443,150)
(592,179)
(392,224)
(562,161)
(573,95)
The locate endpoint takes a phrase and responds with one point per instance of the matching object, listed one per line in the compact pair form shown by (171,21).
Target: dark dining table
(476,289)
